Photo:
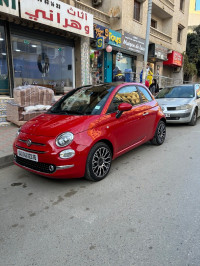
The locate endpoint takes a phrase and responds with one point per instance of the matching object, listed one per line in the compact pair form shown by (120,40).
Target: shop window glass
(96,65)
(4,84)
(126,64)
(42,63)
(127,94)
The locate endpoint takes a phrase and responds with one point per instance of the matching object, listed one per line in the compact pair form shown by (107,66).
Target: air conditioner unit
(96,2)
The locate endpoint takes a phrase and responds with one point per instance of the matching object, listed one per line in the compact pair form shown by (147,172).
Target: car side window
(146,97)
(128,94)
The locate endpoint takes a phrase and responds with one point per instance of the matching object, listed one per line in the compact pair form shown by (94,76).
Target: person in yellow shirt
(149,75)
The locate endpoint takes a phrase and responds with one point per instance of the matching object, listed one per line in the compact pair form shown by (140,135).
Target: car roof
(183,85)
(113,84)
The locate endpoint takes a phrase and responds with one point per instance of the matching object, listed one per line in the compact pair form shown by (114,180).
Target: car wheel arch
(106,141)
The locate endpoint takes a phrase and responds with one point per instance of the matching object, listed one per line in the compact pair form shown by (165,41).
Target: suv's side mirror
(122,108)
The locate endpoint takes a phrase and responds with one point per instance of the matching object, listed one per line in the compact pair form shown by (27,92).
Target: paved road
(146,212)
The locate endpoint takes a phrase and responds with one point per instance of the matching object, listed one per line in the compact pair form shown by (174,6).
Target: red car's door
(150,110)
(130,128)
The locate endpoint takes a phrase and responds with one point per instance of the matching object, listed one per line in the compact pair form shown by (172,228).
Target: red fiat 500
(87,128)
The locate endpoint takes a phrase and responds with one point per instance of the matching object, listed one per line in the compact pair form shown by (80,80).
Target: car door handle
(146,113)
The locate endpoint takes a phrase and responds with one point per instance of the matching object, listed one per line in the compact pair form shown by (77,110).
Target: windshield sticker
(97,107)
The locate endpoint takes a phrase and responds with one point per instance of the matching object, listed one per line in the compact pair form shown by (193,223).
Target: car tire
(98,162)
(193,120)
(160,134)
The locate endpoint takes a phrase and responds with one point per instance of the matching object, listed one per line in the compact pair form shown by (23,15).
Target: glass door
(4,82)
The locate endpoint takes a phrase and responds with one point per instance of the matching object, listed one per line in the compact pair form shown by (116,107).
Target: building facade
(194,15)
(168,33)
(69,43)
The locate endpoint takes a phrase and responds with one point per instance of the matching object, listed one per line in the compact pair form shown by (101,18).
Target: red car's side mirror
(123,107)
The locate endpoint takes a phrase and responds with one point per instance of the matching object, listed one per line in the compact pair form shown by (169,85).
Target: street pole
(147,39)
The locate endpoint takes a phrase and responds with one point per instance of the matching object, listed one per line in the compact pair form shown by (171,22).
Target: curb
(6,161)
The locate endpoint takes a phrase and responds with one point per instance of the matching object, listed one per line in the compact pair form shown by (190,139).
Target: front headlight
(18,132)
(64,139)
(184,107)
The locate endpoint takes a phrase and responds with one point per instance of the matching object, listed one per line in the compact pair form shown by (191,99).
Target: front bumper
(49,163)
(178,116)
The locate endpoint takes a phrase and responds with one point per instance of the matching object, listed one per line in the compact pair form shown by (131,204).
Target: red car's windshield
(88,100)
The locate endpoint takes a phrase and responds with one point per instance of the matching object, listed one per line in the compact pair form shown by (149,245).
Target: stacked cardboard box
(28,96)
(3,112)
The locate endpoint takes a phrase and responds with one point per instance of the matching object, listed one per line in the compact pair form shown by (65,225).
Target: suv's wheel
(193,120)
(98,162)
(160,134)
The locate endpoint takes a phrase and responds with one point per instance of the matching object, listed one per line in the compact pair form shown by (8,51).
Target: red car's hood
(51,125)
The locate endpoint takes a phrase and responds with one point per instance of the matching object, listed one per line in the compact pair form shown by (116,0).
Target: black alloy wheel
(160,134)
(98,162)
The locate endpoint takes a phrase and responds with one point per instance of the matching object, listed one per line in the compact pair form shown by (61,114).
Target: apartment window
(182,5)
(154,23)
(137,10)
(179,34)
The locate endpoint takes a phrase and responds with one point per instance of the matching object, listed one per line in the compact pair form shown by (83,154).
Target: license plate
(167,115)
(27,155)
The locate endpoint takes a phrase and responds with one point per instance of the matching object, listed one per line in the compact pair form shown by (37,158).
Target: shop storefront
(111,52)
(32,54)
(156,56)
(97,52)
(135,46)
(43,60)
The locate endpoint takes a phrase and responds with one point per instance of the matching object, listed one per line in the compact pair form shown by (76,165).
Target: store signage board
(161,52)
(133,43)
(158,51)
(101,31)
(57,14)
(100,43)
(174,59)
(115,38)
(10,7)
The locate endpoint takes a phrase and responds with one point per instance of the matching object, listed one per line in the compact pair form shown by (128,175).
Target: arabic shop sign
(57,14)
(115,38)
(100,31)
(174,59)
(9,7)
(133,43)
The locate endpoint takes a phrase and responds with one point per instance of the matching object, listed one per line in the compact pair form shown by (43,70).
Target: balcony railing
(98,15)
(160,35)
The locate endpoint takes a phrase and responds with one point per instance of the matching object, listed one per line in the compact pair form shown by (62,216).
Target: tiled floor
(7,136)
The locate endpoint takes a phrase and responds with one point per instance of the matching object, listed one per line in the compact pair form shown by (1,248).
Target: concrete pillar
(85,61)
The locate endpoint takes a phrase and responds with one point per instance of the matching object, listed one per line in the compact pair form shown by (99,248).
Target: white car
(180,104)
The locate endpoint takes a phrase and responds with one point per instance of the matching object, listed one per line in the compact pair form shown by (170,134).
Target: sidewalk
(7,136)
